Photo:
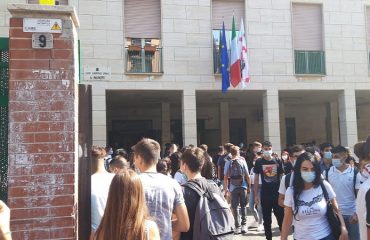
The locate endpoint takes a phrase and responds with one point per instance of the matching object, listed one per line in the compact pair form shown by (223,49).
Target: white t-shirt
(359,180)
(311,222)
(362,210)
(342,183)
(100,183)
(251,175)
(162,195)
(282,188)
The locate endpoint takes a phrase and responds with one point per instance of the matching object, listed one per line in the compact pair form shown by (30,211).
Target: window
(223,11)
(143,56)
(309,52)
(142,31)
(216,48)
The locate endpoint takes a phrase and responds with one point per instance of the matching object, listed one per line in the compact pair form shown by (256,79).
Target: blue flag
(224,61)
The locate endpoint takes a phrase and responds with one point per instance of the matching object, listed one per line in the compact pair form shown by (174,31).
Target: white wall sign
(42,40)
(97,73)
(43,25)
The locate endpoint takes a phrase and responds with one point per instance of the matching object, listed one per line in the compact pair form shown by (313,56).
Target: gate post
(43,122)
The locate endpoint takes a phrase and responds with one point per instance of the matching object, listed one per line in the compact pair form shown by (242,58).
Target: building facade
(153,67)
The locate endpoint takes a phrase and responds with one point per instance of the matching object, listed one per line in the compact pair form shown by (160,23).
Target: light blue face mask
(267,153)
(337,162)
(328,155)
(308,177)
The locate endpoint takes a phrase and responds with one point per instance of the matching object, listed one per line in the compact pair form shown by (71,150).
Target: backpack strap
(355,172)
(195,187)
(326,195)
(327,174)
(287,180)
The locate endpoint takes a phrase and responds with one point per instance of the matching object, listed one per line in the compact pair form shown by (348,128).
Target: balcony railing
(146,59)
(309,62)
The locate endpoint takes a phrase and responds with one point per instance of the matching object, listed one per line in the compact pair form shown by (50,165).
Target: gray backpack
(213,218)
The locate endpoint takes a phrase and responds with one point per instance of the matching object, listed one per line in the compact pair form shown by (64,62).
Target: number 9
(42,40)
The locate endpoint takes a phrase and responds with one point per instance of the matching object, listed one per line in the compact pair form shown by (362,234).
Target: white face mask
(284,157)
(365,172)
(267,153)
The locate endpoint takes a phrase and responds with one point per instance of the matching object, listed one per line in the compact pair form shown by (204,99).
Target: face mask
(308,177)
(267,153)
(293,163)
(366,171)
(284,157)
(258,150)
(337,162)
(328,155)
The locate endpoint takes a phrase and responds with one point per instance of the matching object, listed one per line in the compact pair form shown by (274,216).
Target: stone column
(189,117)
(347,117)
(282,124)
(334,123)
(224,122)
(166,123)
(271,118)
(43,126)
(99,116)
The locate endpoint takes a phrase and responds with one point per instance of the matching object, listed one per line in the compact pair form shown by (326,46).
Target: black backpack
(287,180)
(213,218)
(355,172)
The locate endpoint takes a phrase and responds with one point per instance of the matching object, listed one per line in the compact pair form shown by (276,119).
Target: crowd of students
(318,193)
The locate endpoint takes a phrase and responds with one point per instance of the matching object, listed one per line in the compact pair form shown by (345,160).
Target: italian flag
(235,72)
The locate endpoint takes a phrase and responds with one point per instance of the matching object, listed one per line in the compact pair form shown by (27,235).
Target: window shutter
(307,27)
(142,18)
(61,2)
(223,10)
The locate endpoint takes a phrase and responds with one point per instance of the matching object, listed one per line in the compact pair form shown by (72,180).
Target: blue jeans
(239,196)
(353,229)
(257,213)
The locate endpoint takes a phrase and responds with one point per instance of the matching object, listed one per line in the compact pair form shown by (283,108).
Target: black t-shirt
(270,171)
(221,164)
(249,158)
(288,167)
(215,159)
(191,202)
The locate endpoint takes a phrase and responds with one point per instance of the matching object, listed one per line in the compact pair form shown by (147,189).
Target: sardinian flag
(242,45)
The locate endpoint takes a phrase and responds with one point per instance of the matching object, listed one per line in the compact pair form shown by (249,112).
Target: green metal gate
(4,78)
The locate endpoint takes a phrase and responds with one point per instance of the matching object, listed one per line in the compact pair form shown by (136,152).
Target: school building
(154,70)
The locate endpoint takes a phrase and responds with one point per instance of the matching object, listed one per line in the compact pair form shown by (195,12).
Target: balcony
(143,58)
(309,62)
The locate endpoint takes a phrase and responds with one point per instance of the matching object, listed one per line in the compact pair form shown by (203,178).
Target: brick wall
(42,110)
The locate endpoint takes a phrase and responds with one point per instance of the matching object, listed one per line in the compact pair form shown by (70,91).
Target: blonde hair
(126,211)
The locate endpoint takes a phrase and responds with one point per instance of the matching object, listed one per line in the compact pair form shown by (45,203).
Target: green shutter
(4,78)
(309,62)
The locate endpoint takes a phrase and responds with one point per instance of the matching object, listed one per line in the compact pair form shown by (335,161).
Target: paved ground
(254,235)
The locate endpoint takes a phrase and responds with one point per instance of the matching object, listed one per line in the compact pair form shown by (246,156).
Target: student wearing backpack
(342,178)
(237,185)
(270,170)
(196,193)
